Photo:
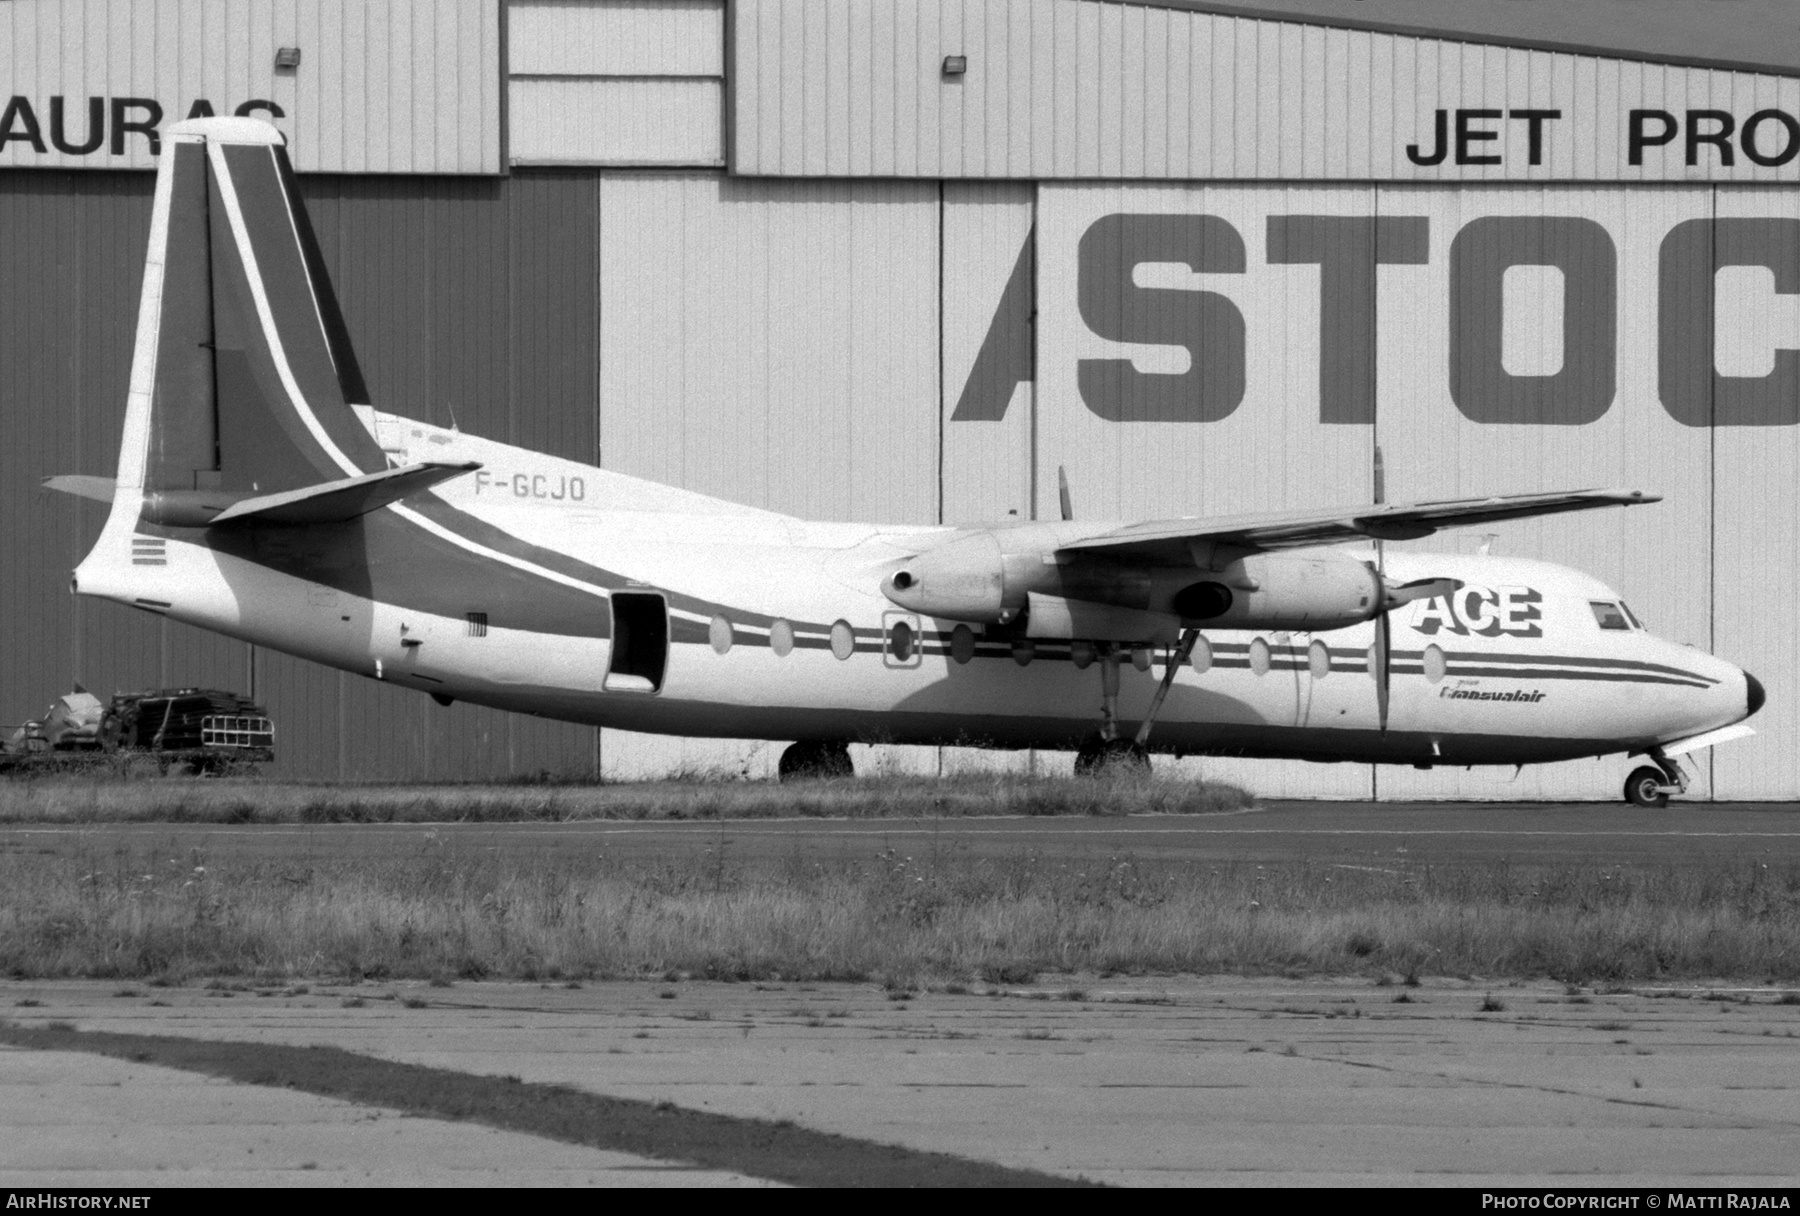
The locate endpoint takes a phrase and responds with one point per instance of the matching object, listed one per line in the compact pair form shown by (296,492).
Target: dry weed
(104,799)
(892,917)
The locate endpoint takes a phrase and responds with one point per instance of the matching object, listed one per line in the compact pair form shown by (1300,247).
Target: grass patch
(909,922)
(107,799)
(906,921)
(777,1150)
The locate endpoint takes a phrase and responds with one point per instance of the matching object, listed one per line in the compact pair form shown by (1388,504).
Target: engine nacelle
(1052,616)
(1276,591)
(964,580)
(988,578)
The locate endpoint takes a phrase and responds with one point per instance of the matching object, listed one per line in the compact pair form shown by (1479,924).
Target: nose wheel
(1645,787)
(1649,786)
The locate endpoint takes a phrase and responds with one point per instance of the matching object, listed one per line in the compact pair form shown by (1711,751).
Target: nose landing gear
(1649,786)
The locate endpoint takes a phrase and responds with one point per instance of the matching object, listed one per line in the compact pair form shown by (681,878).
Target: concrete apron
(69,1119)
(1180,1081)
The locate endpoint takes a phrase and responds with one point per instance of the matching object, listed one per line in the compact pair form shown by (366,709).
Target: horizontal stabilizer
(100,489)
(335,501)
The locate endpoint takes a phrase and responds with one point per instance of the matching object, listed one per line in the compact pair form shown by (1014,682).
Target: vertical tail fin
(242,375)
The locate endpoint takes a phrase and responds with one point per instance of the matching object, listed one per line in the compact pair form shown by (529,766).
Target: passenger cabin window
(1610,615)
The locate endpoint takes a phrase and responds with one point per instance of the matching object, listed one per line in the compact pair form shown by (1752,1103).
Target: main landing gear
(1107,757)
(1651,786)
(812,758)
(1107,752)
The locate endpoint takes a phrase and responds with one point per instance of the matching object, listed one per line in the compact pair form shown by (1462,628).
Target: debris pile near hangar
(203,730)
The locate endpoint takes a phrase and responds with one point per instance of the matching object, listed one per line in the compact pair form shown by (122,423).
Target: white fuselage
(1523,670)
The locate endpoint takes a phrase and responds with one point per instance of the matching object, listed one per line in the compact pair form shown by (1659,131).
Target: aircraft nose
(1753,694)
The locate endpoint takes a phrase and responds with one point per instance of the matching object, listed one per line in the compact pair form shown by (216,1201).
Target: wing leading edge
(1172,538)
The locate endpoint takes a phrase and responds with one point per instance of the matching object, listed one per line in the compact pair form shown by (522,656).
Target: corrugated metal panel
(401,86)
(989,295)
(1081,89)
(616,37)
(617,82)
(1756,526)
(555,257)
(57,270)
(773,343)
(1454,444)
(616,122)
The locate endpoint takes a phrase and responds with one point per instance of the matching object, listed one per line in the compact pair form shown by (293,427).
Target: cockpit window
(1610,615)
(1631,616)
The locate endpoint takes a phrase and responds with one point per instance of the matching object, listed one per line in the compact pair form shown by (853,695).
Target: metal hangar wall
(783,252)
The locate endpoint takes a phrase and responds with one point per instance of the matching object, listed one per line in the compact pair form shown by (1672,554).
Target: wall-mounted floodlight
(955,65)
(287,58)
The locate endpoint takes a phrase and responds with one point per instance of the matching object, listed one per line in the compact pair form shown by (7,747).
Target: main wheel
(1111,758)
(1644,787)
(811,759)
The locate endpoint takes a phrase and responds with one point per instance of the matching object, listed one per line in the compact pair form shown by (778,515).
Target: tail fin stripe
(260,299)
(325,302)
(264,308)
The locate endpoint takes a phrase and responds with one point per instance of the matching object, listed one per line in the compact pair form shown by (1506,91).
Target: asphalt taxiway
(1595,833)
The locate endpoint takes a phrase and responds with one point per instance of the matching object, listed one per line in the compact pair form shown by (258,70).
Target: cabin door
(640,642)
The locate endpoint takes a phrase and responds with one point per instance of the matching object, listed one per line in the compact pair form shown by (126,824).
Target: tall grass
(892,918)
(108,799)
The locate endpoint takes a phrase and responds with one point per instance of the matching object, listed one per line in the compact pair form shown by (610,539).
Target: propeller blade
(1381,651)
(1393,595)
(1379,656)
(1062,493)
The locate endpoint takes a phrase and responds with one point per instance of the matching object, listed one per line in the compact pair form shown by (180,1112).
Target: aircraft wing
(1170,539)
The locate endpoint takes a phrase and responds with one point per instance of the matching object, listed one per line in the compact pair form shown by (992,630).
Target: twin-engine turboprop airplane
(259,495)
